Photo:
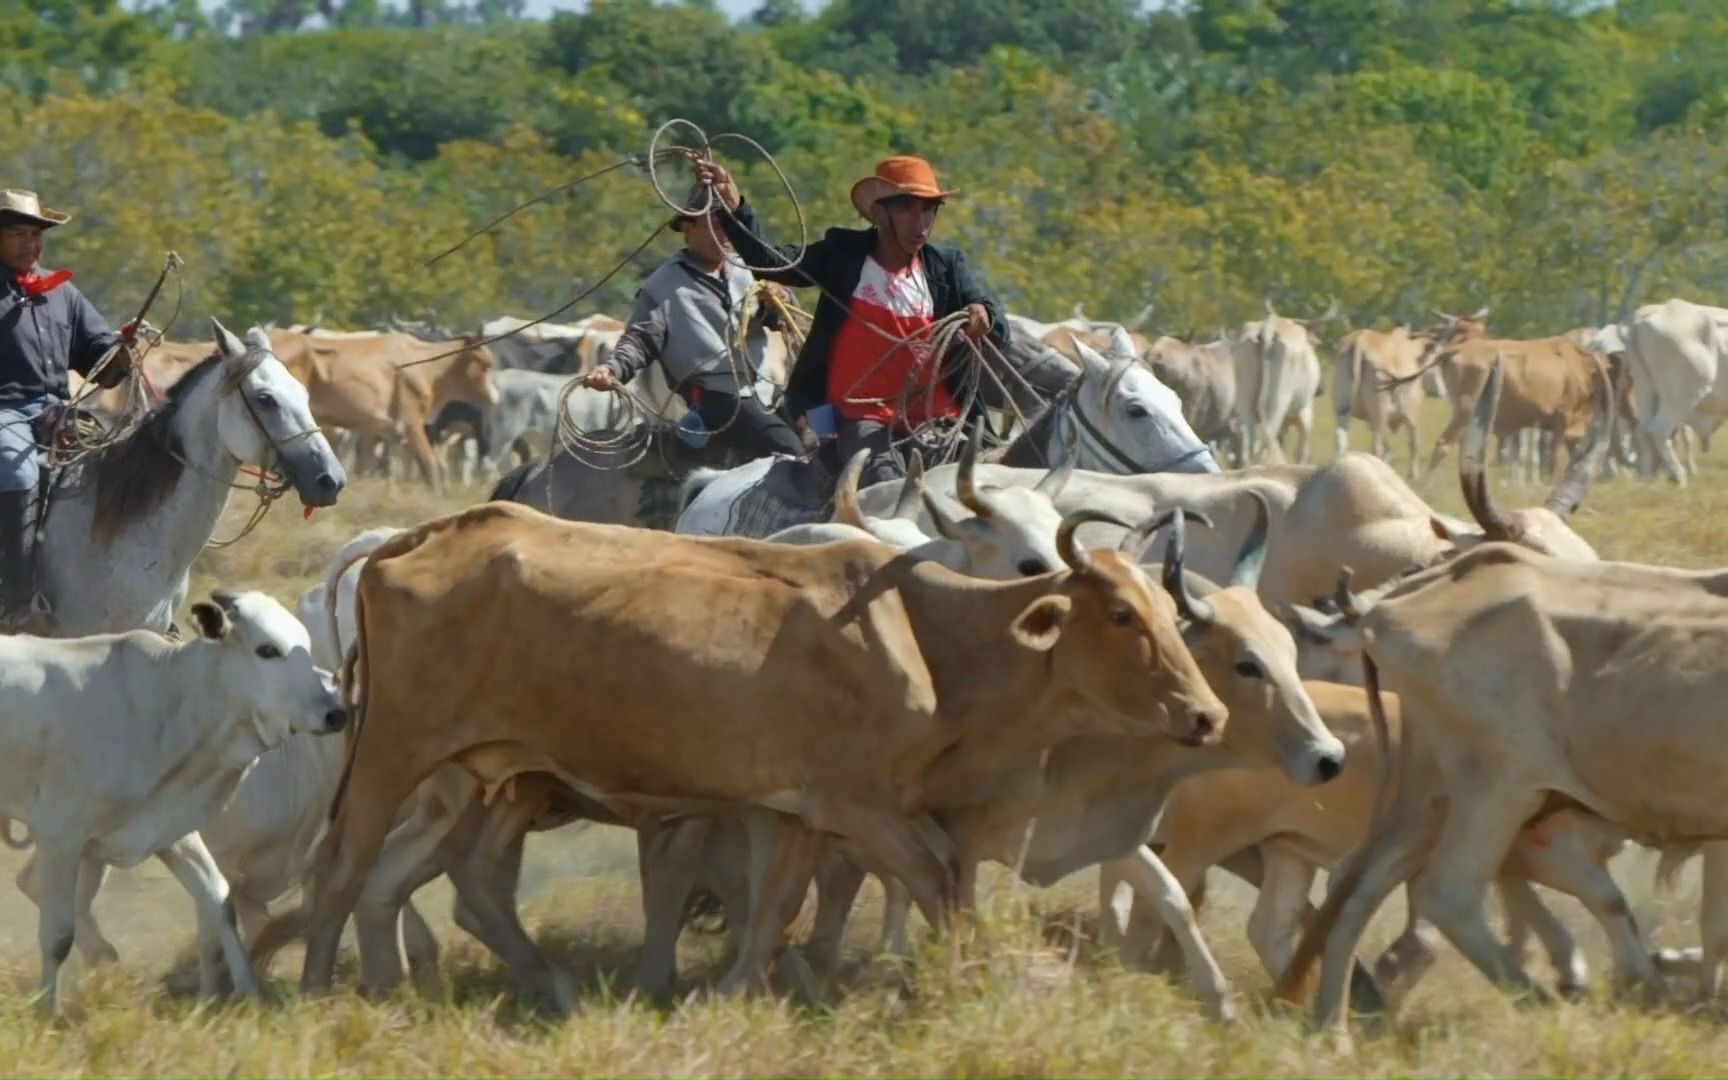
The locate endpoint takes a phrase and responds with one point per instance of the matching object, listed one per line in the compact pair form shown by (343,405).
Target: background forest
(1560,160)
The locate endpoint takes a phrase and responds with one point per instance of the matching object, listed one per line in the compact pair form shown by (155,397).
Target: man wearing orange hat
(879,286)
(47,328)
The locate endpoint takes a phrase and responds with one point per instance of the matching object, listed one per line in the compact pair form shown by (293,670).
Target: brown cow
(822,683)
(389,386)
(1551,386)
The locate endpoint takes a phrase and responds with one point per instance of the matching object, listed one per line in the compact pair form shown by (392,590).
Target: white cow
(1277,379)
(1675,353)
(117,747)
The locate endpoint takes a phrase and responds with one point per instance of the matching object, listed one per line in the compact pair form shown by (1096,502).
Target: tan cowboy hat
(15,202)
(901,175)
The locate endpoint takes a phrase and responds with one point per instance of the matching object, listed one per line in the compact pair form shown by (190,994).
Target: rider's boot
(18,613)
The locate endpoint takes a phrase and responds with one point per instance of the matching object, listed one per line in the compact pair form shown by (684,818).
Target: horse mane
(135,473)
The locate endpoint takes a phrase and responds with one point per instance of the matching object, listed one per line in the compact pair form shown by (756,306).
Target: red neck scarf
(40,284)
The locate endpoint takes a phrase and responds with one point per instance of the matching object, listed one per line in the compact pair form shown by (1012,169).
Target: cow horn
(1586,464)
(846,508)
(1252,557)
(1176,583)
(1271,312)
(1346,601)
(1331,313)
(1069,548)
(1481,313)
(965,482)
(1445,317)
(946,524)
(1140,318)
(1135,540)
(1472,470)
(1052,482)
(911,488)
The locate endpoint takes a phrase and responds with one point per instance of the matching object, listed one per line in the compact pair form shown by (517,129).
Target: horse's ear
(226,343)
(258,339)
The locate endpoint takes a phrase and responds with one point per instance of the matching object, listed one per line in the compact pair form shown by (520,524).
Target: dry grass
(1026,996)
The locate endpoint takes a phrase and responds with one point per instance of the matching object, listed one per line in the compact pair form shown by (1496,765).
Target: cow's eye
(1122,616)
(269,652)
(1250,669)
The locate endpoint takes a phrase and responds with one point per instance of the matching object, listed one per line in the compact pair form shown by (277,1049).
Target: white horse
(117,547)
(1118,415)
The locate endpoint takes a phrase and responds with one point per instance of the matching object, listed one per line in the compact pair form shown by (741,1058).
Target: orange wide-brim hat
(902,175)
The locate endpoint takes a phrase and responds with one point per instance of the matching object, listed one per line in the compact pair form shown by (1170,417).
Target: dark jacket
(43,336)
(835,263)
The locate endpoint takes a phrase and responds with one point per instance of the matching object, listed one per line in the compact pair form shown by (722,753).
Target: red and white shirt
(869,377)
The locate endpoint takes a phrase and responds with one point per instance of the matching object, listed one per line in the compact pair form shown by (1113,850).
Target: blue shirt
(44,337)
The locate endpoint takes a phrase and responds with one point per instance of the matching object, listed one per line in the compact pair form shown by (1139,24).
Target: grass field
(1029,994)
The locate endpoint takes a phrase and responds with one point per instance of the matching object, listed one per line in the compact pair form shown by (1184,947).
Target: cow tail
(15,843)
(354,671)
(1342,887)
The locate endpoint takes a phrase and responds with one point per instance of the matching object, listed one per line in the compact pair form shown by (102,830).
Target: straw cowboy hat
(902,175)
(17,203)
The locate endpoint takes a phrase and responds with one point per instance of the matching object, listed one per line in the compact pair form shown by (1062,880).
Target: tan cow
(1542,684)
(1204,378)
(1096,798)
(1298,831)
(388,387)
(822,683)
(1551,386)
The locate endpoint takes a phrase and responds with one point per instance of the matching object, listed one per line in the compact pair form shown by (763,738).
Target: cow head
(265,419)
(1012,532)
(1544,528)
(263,668)
(469,375)
(1250,659)
(1114,644)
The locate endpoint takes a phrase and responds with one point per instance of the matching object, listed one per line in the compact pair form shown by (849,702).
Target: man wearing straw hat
(687,316)
(880,286)
(47,328)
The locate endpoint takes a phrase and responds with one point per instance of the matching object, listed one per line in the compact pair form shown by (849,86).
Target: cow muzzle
(334,720)
(1198,727)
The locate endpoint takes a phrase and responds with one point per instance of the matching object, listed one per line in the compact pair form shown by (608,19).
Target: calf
(119,746)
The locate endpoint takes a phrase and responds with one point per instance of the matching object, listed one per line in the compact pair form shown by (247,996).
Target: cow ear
(1040,625)
(211,620)
(1443,529)
(1319,628)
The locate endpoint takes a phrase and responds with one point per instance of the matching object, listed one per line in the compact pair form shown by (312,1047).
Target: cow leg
(1478,834)
(668,855)
(1450,433)
(1276,921)
(92,945)
(56,898)
(896,918)
(375,790)
(890,845)
(1568,853)
(779,894)
(1403,963)
(486,881)
(838,880)
(1526,914)
(1386,862)
(191,864)
(431,467)
(1146,873)
(412,855)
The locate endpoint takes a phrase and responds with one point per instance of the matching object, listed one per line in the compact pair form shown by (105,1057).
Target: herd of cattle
(1051,668)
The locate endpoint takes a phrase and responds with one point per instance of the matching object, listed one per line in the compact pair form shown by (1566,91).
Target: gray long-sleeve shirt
(43,337)
(687,319)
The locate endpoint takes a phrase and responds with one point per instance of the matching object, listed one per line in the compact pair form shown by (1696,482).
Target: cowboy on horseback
(687,315)
(47,328)
(880,286)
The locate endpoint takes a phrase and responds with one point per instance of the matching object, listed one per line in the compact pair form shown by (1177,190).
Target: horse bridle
(1100,442)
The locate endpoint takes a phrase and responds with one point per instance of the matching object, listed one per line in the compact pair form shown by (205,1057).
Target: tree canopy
(1562,159)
